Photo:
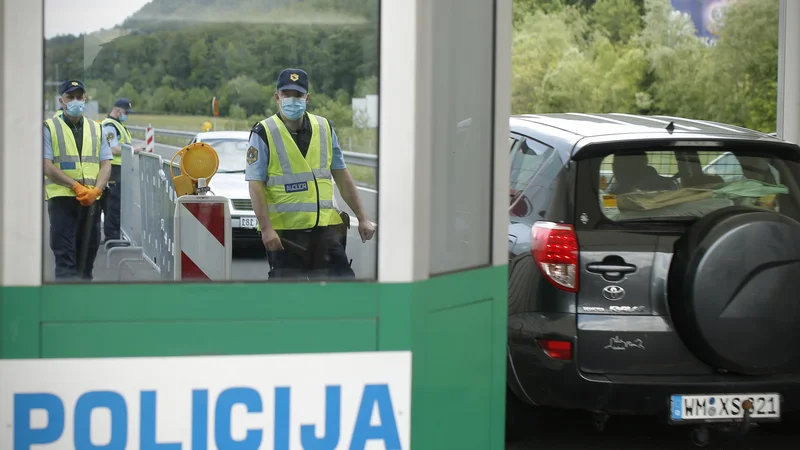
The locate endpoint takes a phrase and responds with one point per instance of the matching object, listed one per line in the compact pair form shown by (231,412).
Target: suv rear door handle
(610,268)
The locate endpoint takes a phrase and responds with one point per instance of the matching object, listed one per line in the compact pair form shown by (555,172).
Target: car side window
(526,161)
(732,168)
(726,166)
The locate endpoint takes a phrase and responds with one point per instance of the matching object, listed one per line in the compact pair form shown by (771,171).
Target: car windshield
(664,185)
(232,153)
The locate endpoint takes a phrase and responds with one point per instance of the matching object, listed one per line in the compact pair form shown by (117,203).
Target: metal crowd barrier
(130,214)
(146,213)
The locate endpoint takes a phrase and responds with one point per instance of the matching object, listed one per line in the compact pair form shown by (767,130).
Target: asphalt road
(249,262)
(248,265)
(575,431)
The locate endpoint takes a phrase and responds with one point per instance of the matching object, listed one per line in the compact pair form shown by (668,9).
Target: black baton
(83,254)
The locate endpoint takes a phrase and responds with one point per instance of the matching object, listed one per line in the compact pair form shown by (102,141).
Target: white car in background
(229,182)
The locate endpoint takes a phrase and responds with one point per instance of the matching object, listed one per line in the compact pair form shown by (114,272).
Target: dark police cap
(71,85)
(124,103)
(294,79)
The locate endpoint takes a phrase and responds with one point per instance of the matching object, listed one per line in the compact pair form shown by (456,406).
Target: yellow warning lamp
(207,126)
(199,162)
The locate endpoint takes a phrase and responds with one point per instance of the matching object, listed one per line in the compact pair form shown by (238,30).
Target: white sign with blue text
(278,402)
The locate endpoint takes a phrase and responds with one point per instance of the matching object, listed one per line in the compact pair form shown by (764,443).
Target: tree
(366,86)
(213,54)
(561,64)
(743,88)
(237,112)
(620,73)
(247,93)
(100,91)
(541,43)
(129,92)
(620,20)
(676,58)
(341,114)
(197,101)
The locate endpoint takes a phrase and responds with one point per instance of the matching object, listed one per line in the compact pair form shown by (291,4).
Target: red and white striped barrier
(150,139)
(203,249)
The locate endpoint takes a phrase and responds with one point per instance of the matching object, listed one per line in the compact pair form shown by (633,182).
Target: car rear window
(692,182)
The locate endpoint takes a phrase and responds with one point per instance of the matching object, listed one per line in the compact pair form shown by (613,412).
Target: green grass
(185,123)
(350,139)
(363,176)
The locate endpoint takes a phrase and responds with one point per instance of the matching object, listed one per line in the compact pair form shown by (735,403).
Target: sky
(60,17)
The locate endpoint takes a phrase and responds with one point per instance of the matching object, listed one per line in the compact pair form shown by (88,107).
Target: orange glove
(79,189)
(89,196)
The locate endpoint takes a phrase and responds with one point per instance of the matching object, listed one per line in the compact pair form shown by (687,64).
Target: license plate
(248,222)
(724,407)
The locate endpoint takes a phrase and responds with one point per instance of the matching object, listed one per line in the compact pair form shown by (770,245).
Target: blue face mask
(75,108)
(293,107)
(123,118)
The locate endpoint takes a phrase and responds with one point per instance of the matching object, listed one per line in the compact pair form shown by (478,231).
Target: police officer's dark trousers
(316,254)
(73,227)
(111,203)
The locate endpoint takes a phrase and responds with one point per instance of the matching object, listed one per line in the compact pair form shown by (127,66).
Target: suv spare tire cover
(733,290)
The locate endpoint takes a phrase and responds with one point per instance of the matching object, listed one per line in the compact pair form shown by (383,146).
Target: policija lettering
(373,396)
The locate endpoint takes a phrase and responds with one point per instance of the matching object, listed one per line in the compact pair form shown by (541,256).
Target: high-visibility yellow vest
(81,168)
(300,190)
(124,137)
(59,113)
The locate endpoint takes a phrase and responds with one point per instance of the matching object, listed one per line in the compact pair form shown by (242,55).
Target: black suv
(654,269)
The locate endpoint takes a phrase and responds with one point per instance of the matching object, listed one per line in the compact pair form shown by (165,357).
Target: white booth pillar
(21,100)
(448,93)
(789,71)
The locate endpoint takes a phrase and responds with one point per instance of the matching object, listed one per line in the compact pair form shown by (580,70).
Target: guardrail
(182,138)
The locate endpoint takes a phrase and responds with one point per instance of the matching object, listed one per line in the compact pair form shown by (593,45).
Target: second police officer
(77,165)
(116,134)
(292,161)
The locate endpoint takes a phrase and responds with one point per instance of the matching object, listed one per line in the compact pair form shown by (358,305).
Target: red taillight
(555,250)
(557,349)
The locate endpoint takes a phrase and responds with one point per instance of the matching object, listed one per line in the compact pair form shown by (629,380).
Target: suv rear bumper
(535,377)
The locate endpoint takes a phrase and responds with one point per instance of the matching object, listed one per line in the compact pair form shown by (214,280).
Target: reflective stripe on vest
(299,190)
(124,137)
(83,169)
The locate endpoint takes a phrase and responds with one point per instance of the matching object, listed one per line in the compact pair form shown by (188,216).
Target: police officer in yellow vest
(116,134)
(77,164)
(292,161)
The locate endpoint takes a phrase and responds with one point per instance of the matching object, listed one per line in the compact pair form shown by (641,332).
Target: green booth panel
(455,326)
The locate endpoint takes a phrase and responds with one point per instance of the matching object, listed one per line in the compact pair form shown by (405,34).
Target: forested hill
(199,49)
(176,12)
